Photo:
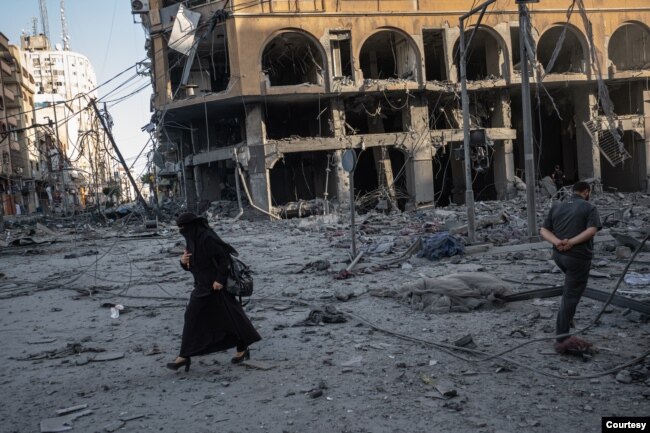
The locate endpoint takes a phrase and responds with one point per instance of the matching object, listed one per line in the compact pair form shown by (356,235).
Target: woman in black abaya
(214,320)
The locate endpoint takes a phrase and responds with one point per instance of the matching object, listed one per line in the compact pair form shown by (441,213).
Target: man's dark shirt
(569,219)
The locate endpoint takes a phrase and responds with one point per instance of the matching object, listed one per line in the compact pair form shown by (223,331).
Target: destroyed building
(284,87)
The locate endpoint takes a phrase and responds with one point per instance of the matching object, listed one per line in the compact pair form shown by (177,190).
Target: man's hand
(185,259)
(564,245)
(217,286)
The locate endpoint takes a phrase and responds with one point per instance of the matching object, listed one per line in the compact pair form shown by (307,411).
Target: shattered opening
(571,57)
(301,176)
(380,179)
(372,115)
(443,179)
(210,72)
(485,57)
(554,137)
(298,119)
(388,54)
(629,47)
(434,55)
(444,112)
(628,176)
(293,58)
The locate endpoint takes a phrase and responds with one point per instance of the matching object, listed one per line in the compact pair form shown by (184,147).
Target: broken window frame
(444,68)
(340,70)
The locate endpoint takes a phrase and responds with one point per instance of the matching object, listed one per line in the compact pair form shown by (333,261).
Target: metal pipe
(250,200)
(238,188)
(469,192)
(529,154)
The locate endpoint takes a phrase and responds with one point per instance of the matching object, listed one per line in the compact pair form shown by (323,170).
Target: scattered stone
(466,341)
(316,393)
(259,365)
(624,376)
(114,426)
(353,362)
(107,356)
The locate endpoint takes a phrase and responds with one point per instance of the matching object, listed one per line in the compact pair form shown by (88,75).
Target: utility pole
(529,154)
(119,155)
(469,192)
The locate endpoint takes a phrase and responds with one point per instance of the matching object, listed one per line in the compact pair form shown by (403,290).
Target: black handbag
(240,278)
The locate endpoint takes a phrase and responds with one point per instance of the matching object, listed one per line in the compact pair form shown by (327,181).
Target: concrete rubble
(332,354)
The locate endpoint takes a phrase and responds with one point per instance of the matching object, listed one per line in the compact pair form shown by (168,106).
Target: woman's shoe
(245,355)
(176,365)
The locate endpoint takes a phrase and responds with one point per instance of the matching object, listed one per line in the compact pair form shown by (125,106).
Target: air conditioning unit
(139,6)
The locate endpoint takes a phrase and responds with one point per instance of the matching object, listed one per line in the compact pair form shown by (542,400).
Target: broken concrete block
(623,252)
(108,356)
(624,376)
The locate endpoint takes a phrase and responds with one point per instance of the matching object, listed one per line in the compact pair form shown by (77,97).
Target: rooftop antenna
(34,26)
(64,28)
(44,20)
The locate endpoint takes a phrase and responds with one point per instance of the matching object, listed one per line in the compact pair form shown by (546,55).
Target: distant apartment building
(65,84)
(283,87)
(22,143)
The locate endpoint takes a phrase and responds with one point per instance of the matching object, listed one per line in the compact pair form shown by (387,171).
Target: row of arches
(296,57)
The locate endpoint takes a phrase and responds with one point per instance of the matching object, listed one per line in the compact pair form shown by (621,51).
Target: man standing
(571,226)
(558,177)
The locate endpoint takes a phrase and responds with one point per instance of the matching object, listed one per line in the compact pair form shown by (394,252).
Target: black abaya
(214,320)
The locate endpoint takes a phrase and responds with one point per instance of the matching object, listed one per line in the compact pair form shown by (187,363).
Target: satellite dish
(349,160)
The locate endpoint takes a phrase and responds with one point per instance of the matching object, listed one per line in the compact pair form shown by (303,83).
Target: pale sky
(105,32)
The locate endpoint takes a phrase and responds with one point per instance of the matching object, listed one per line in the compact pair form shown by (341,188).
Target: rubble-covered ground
(387,368)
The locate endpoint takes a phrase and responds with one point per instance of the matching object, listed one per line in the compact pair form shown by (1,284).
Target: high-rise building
(65,85)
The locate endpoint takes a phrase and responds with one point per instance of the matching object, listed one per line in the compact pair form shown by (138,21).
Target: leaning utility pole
(469,192)
(119,154)
(529,153)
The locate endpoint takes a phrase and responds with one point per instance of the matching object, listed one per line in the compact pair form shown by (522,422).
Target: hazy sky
(105,32)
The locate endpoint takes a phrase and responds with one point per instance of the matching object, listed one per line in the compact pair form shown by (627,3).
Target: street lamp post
(469,192)
(529,154)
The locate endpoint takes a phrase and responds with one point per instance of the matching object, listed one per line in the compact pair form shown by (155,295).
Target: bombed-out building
(284,87)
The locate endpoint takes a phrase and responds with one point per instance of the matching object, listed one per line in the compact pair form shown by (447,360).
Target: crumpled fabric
(329,315)
(439,245)
(574,346)
(457,293)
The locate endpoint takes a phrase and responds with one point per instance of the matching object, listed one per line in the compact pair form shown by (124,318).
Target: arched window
(293,58)
(572,54)
(388,54)
(629,47)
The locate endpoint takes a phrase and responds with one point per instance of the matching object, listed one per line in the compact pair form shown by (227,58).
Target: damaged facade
(284,87)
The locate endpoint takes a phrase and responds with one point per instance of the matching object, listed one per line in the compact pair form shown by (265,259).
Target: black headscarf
(194,228)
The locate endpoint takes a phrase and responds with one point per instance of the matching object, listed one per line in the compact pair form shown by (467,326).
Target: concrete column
(419,169)
(504,163)
(586,108)
(645,174)
(258,175)
(341,178)
(450,36)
